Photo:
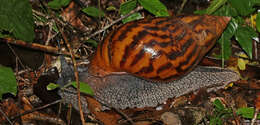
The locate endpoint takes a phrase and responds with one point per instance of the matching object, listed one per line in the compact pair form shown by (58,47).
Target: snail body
(159,49)
(131,62)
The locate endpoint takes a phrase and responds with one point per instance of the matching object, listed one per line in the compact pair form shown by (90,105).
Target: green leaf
(215,121)
(200,12)
(134,16)
(256,2)
(214,7)
(7,81)
(127,6)
(84,87)
(92,42)
(258,22)
(247,113)
(244,7)
(155,7)
(240,20)
(52,86)
(93,11)
(226,10)
(218,104)
(244,36)
(16,18)
(57,4)
(242,62)
(225,39)
(215,4)
(111,8)
(225,48)
(231,29)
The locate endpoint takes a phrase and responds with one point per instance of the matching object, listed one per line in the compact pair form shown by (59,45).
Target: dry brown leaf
(70,14)
(257,101)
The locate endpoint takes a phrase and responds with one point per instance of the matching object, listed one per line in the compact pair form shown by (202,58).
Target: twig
(22,79)
(49,119)
(49,33)
(76,73)
(35,46)
(23,71)
(255,117)
(6,117)
(36,109)
(182,6)
(40,14)
(18,58)
(114,22)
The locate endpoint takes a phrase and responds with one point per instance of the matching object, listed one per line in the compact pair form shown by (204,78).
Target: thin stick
(35,46)
(255,117)
(54,120)
(36,109)
(17,57)
(76,73)
(182,6)
(6,117)
(114,22)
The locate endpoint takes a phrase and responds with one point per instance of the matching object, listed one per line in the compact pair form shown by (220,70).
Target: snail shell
(158,49)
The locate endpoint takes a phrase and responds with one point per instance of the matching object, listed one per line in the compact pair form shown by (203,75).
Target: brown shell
(159,49)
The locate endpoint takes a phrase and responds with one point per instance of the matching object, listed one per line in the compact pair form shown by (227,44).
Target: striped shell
(158,49)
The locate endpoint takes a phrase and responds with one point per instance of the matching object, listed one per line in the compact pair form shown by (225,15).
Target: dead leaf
(257,101)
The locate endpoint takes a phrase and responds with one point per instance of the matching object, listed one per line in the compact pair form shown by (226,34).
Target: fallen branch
(36,46)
